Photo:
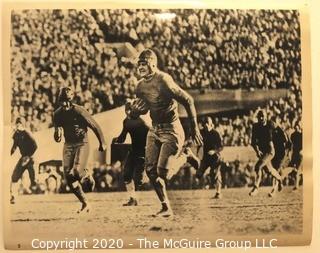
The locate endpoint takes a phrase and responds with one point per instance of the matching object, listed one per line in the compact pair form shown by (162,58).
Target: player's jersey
(161,94)
(262,136)
(280,142)
(75,123)
(211,141)
(138,131)
(25,142)
(296,139)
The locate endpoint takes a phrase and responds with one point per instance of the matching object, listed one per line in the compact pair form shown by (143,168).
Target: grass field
(196,214)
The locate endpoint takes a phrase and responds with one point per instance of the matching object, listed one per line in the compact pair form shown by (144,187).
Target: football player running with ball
(159,93)
(74,121)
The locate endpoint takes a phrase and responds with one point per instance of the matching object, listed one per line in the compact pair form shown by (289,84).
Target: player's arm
(139,104)
(15,144)
(57,127)
(33,146)
(254,142)
(122,137)
(270,136)
(93,125)
(187,101)
(218,144)
(57,134)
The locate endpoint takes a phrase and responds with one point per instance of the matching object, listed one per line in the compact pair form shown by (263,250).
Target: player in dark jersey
(295,165)
(27,145)
(262,143)
(212,146)
(74,120)
(134,163)
(282,147)
(165,138)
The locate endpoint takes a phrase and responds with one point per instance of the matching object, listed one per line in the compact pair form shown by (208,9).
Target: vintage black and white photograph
(160,123)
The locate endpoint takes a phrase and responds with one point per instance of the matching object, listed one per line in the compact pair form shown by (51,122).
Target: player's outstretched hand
(102,147)
(197,137)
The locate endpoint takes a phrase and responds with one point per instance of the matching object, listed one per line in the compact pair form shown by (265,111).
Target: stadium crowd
(215,49)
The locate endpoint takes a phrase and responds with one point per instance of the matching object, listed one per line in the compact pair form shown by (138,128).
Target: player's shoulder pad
(165,77)
(138,87)
(80,109)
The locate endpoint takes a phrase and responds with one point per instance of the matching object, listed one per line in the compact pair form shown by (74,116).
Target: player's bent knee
(14,179)
(152,175)
(163,173)
(70,179)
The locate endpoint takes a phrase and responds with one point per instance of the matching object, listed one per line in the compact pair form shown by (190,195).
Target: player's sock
(160,188)
(78,192)
(218,189)
(130,189)
(297,180)
(14,192)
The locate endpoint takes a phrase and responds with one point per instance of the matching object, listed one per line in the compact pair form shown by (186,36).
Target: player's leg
(276,163)
(258,177)
(298,172)
(80,171)
(16,175)
(152,154)
(216,167)
(204,164)
(172,142)
(31,171)
(69,152)
(128,171)
(275,174)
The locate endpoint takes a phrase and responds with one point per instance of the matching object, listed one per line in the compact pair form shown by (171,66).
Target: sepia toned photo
(156,128)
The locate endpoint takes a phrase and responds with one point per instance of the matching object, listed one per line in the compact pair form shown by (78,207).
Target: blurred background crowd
(202,49)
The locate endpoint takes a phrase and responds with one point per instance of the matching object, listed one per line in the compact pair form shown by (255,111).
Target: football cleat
(131,202)
(254,191)
(272,193)
(85,208)
(165,211)
(217,196)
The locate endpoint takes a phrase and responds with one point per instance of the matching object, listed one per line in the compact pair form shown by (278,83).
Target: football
(139,106)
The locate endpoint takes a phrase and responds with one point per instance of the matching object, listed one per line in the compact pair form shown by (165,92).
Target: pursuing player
(27,146)
(281,147)
(262,143)
(74,120)
(212,146)
(134,163)
(159,93)
(295,165)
